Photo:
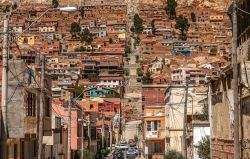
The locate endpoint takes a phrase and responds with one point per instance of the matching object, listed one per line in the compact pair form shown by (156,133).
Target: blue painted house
(100,92)
(182,50)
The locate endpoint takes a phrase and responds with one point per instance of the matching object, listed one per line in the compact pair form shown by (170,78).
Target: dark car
(118,154)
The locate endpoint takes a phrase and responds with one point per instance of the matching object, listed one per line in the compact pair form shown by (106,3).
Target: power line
(243,11)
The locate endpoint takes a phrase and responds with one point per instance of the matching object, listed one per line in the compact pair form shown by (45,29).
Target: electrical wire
(243,11)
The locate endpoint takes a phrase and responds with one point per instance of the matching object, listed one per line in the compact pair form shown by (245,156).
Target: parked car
(132,152)
(122,146)
(118,154)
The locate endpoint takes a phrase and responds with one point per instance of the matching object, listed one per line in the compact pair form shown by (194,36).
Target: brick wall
(222,149)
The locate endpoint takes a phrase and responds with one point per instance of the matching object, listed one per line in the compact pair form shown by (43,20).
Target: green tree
(78,92)
(170,8)
(127,49)
(204,116)
(126,72)
(138,24)
(55,3)
(75,29)
(139,72)
(14,6)
(172,154)
(147,79)
(137,41)
(6,9)
(86,154)
(80,49)
(86,36)
(183,25)
(213,50)
(193,17)
(203,148)
(81,10)
(153,26)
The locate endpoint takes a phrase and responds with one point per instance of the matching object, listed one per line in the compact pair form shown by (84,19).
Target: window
(57,122)
(149,126)
(157,125)
(31,104)
(91,106)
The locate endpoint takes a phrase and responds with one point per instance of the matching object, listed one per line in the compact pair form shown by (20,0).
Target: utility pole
(120,113)
(41,111)
(235,83)
(110,135)
(69,127)
(89,124)
(89,133)
(4,103)
(82,146)
(184,149)
(103,129)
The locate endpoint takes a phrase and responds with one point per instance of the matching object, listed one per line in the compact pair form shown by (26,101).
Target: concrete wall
(175,109)
(245,127)
(15,115)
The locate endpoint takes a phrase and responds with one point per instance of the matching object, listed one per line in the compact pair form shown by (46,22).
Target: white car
(122,146)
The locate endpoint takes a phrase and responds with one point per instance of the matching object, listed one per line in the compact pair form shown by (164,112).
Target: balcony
(161,134)
(152,134)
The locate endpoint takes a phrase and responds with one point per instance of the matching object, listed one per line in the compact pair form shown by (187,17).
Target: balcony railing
(152,134)
(160,134)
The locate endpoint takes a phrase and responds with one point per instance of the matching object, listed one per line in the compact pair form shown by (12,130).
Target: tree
(147,79)
(139,72)
(183,25)
(137,41)
(86,36)
(80,49)
(127,49)
(203,148)
(193,17)
(6,9)
(138,24)
(81,10)
(204,116)
(86,154)
(213,50)
(78,92)
(126,72)
(75,29)
(170,8)
(153,26)
(55,3)
(14,6)
(172,154)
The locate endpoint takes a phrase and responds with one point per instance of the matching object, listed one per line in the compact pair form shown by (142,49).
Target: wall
(175,110)
(16,104)
(245,127)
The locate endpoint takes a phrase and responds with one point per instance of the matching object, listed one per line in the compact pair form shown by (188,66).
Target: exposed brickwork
(222,149)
